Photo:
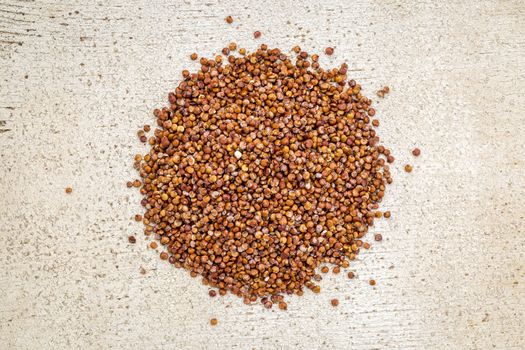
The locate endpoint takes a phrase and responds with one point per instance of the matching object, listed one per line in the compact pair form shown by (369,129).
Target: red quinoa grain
(262,168)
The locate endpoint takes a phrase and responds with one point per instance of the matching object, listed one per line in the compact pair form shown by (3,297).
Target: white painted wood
(78,78)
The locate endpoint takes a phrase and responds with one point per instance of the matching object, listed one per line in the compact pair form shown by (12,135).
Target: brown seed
(283,305)
(334,302)
(416,152)
(138,217)
(261,168)
(386,89)
(408,168)
(132,239)
(329,51)
(366,245)
(229,19)
(372,282)
(378,237)
(336,269)
(386,214)
(194,56)
(232,46)
(257,34)
(212,293)
(146,128)
(375,122)
(129,184)
(69,189)
(213,321)
(351,275)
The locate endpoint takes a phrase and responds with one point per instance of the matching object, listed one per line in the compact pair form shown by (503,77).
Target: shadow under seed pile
(262,168)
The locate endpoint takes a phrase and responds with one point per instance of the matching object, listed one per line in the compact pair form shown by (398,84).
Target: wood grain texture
(78,78)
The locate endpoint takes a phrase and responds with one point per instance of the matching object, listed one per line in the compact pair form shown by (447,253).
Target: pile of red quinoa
(263,166)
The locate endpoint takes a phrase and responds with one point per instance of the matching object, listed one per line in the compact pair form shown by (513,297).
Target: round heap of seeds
(263,167)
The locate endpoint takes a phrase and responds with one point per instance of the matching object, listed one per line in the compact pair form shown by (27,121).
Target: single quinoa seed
(257,34)
(212,293)
(194,56)
(138,217)
(386,214)
(214,321)
(334,302)
(351,275)
(262,168)
(329,51)
(69,190)
(408,168)
(378,237)
(416,152)
(132,239)
(229,19)
(372,282)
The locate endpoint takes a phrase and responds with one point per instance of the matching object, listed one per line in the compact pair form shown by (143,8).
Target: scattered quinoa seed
(386,214)
(213,321)
(372,282)
(329,51)
(351,275)
(257,34)
(69,190)
(193,56)
(416,152)
(334,302)
(378,237)
(229,19)
(408,168)
(132,239)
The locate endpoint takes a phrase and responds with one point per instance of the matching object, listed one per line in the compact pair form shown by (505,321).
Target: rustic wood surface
(78,78)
